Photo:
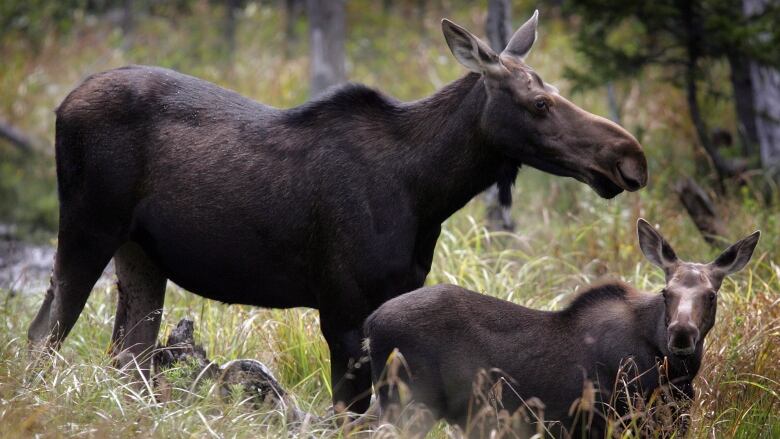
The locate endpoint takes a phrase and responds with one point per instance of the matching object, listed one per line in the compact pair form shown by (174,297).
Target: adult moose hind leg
(349,365)
(80,260)
(141,287)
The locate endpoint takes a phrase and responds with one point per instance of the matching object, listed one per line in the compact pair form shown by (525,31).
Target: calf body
(447,335)
(336,204)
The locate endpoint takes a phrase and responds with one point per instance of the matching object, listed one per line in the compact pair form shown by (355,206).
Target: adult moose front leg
(349,366)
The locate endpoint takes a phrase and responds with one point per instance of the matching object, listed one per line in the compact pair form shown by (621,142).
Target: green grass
(566,237)
(541,266)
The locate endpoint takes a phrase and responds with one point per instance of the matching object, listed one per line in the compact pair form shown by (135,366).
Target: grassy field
(566,236)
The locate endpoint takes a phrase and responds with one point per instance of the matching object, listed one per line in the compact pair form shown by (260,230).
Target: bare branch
(15,137)
(702,211)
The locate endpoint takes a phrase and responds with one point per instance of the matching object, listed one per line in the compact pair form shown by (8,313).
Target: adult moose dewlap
(336,204)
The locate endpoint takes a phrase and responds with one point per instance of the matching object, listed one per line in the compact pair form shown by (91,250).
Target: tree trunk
(420,13)
(292,10)
(128,24)
(229,30)
(766,96)
(499,24)
(327,23)
(498,198)
(744,105)
(724,168)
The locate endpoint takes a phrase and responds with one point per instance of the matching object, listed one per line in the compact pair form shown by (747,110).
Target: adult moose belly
(227,251)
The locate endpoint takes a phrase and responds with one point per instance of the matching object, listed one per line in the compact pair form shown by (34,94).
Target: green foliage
(620,38)
(685,44)
(27,193)
(31,20)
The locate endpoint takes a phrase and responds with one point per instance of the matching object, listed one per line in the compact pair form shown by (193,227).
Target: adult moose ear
(470,50)
(523,39)
(655,248)
(735,257)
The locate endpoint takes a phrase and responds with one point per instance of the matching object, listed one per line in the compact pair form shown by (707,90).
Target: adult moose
(447,334)
(336,204)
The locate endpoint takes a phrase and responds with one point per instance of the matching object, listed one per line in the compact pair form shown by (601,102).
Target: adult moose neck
(449,160)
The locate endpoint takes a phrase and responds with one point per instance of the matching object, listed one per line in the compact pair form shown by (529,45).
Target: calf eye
(712,296)
(540,104)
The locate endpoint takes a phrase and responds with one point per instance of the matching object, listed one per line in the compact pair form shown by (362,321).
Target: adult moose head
(336,204)
(527,119)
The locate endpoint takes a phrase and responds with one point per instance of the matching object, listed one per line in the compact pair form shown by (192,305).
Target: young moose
(447,334)
(336,204)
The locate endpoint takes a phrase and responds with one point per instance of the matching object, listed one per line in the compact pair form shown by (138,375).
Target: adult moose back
(336,204)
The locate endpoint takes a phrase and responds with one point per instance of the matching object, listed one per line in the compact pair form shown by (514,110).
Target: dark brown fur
(336,204)
(447,334)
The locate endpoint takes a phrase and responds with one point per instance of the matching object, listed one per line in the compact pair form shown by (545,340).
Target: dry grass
(566,238)
(80,394)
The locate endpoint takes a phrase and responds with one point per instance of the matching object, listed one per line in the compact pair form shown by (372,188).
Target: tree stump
(251,375)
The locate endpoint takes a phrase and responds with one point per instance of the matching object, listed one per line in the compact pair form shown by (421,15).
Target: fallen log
(253,376)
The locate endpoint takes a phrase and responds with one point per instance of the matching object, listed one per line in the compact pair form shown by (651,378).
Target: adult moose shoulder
(336,204)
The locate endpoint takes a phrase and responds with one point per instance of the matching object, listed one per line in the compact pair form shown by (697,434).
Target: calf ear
(470,50)
(655,248)
(523,39)
(735,257)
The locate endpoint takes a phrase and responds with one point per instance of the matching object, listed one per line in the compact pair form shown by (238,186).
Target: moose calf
(447,335)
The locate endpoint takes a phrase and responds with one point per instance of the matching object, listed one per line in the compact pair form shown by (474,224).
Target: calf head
(691,291)
(529,121)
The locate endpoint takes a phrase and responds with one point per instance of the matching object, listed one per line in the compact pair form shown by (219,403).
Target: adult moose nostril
(633,176)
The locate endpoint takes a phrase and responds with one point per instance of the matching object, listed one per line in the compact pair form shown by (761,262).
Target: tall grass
(77,392)
(566,237)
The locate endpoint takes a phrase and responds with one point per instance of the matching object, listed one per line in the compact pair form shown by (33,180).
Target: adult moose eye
(540,104)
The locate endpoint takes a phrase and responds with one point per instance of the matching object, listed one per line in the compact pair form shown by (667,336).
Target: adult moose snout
(633,172)
(608,157)
(623,157)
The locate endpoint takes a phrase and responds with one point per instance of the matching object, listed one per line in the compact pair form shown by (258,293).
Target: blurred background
(696,81)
